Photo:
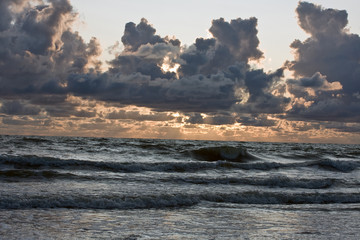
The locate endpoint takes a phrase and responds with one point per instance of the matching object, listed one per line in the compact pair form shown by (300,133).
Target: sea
(109,188)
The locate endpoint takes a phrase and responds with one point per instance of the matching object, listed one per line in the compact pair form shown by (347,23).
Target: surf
(228,153)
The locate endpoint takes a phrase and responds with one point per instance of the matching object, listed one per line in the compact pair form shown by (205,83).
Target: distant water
(103,188)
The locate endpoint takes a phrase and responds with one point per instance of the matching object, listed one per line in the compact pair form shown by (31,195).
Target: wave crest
(233,154)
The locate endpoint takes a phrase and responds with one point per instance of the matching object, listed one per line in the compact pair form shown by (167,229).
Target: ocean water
(105,188)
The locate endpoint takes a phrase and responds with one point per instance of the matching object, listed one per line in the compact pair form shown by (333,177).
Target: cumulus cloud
(232,42)
(239,36)
(195,93)
(326,65)
(44,63)
(261,99)
(327,109)
(38,49)
(311,88)
(151,71)
(330,49)
(140,34)
(209,77)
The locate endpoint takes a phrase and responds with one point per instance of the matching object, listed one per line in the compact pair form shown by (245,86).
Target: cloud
(330,50)
(145,52)
(138,35)
(147,60)
(16,107)
(233,42)
(46,67)
(26,121)
(138,116)
(5,16)
(195,93)
(216,119)
(326,66)
(311,88)
(209,75)
(261,97)
(257,121)
(318,82)
(144,74)
(239,36)
(38,49)
(328,109)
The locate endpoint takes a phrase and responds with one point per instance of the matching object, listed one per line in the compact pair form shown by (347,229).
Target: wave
(172,200)
(233,154)
(336,165)
(12,174)
(36,140)
(35,162)
(272,182)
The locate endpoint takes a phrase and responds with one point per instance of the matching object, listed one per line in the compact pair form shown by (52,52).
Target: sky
(283,71)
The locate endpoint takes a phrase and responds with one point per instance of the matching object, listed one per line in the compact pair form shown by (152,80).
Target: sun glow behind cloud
(169,66)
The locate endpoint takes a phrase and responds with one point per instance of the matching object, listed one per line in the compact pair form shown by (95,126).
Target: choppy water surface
(70,188)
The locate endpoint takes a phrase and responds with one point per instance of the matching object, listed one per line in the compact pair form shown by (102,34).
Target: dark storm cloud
(330,50)
(147,60)
(344,127)
(234,41)
(38,48)
(327,109)
(195,93)
(19,108)
(43,62)
(261,99)
(136,75)
(317,83)
(145,52)
(44,57)
(5,15)
(63,108)
(239,36)
(217,119)
(326,63)
(137,35)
